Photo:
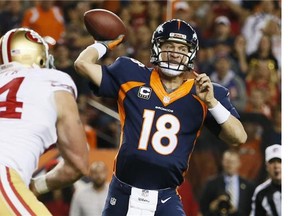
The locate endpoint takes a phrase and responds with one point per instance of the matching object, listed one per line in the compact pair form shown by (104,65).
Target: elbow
(79,66)
(239,138)
(242,135)
(234,137)
(83,168)
(80,167)
(243,138)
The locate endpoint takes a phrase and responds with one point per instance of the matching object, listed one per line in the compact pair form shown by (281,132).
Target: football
(103,24)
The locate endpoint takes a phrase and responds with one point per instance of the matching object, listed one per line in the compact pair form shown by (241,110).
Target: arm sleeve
(62,81)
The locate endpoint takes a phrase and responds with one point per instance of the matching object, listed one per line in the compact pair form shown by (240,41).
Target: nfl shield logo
(166,99)
(113,201)
(145,193)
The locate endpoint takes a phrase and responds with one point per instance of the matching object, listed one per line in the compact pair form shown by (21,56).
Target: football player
(161,114)
(37,109)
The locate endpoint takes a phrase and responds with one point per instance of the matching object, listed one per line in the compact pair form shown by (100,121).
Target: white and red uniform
(27,119)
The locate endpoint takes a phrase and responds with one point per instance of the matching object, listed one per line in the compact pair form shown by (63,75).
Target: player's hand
(111,44)
(204,89)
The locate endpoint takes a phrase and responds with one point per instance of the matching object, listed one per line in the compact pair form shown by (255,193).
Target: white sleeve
(62,81)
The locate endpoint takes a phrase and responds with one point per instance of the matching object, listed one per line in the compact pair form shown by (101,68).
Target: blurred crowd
(240,48)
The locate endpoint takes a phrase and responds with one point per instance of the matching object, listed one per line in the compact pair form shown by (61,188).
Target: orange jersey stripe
(121,96)
(166,98)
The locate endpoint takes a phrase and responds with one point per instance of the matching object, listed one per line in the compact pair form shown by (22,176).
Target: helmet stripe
(6,55)
(9,46)
(179,24)
(1,56)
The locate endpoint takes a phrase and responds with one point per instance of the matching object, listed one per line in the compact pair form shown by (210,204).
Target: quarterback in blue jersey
(161,114)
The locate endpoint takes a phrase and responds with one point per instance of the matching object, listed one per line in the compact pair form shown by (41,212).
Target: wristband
(101,49)
(220,113)
(41,184)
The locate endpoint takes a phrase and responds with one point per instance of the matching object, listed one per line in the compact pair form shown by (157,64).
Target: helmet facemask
(169,67)
(177,31)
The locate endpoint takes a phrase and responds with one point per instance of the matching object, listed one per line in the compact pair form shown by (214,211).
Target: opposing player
(37,109)
(161,116)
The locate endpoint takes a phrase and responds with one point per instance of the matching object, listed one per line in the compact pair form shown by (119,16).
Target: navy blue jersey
(158,129)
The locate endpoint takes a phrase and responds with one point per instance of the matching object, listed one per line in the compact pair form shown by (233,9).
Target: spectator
(257,104)
(264,52)
(125,16)
(238,53)
(182,10)
(46,18)
(227,193)
(259,21)
(138,13)
(230,9)
(251,153)
(154,14)
(64,62)
(11,16)
(220,43)
(262,76)
(76,36)
(221,32)
(267,196)
(225,76)
(90,199)
(142,38)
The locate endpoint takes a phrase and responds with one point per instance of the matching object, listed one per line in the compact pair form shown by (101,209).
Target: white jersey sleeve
(28,115)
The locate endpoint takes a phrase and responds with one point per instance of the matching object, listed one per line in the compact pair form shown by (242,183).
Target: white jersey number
(167,127)
(10,104)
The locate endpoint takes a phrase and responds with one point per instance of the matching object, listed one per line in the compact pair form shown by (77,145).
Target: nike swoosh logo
(164,201)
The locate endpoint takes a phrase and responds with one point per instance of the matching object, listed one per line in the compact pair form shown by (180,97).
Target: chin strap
(51,61)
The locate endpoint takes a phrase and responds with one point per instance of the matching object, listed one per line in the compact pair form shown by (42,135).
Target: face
(98,174)
(273,168)
(231,163)
(174,53)
(222,66)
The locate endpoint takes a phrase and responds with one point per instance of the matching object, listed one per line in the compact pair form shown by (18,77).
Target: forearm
(72,145)
(60,176)
(92,53)
(86,64)
(232,131)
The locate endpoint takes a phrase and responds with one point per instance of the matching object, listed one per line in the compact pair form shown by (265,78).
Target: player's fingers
(202,78)
(204,87)
(115,42)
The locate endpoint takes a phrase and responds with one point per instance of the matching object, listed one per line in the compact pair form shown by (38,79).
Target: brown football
(103,24)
